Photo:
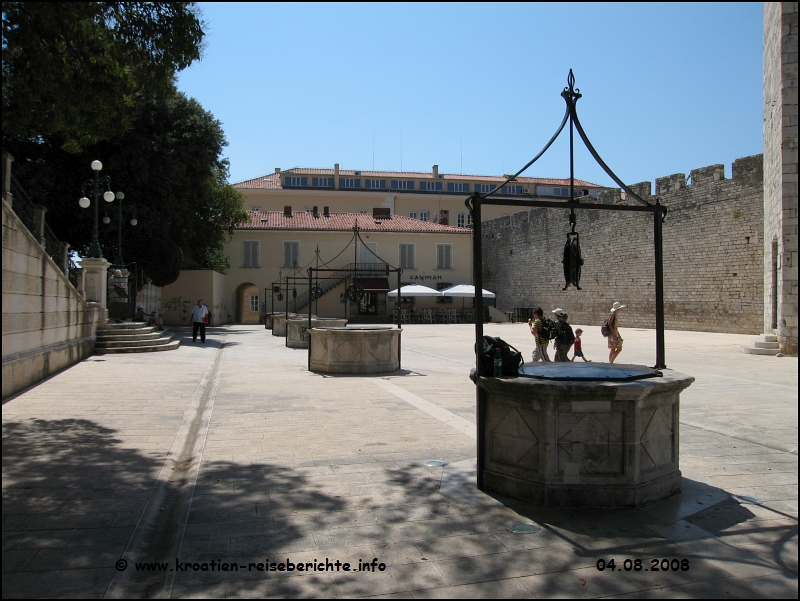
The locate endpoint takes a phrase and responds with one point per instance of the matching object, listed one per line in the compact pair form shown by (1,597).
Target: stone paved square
(233,453)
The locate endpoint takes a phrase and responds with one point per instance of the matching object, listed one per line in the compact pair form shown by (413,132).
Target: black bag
(548,329)
(512,358)
(565,335)
(605,329)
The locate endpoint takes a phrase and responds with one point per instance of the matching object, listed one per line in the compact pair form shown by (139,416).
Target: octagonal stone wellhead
(362,349)
(297,329)
(581,435)
(279,323)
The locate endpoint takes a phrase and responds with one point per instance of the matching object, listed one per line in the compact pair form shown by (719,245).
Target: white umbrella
(464,290)
(415,290)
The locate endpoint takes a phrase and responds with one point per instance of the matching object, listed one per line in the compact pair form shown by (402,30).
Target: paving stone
(486,568)
(30,585)
(777,586)
(395,579)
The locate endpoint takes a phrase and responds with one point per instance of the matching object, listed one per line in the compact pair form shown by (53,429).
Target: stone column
(96,285)
(7,160)
(38,224)
(63,253)
(80,281)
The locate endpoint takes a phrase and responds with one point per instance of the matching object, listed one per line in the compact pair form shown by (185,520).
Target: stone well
(581,435)
(359,349)
(297,329)
(268,319)
(279,323)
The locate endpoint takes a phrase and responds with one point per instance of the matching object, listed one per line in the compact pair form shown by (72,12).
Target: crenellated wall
(713,255)
(47,325)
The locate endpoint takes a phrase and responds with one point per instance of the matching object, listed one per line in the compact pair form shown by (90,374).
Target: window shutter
(411,263)
(287,254)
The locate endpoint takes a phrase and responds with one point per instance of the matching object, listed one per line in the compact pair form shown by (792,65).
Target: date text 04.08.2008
(637,565)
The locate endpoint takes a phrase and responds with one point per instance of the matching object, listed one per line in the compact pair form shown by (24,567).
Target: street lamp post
(118,260)
(93,187)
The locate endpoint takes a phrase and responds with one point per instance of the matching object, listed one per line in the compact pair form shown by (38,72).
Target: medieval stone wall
(713,255)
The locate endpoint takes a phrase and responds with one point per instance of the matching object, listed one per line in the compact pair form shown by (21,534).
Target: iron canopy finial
(571,91)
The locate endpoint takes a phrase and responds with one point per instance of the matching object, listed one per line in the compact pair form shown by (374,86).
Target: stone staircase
(765,344)
(132,337)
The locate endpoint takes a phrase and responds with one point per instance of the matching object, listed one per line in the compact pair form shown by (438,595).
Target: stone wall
(47,325)
(713,255)
(780,172)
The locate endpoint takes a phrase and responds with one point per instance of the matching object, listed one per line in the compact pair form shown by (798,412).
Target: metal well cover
(588,371)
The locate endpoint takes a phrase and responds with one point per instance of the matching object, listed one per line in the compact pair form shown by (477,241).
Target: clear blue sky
(666,87)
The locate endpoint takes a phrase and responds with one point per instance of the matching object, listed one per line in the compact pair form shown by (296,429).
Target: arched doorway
(248,303)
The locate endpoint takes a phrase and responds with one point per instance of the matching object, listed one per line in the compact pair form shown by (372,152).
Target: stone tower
(780,173)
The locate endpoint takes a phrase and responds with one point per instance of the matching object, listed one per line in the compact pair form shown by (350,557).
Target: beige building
(303,217)
(433,197)
(358,248)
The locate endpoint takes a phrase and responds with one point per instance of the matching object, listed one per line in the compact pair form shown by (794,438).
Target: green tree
(78,70)
(169,165)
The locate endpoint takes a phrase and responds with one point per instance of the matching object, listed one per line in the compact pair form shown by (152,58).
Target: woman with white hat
(614,339)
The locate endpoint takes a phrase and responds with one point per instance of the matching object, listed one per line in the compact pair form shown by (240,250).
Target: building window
(322,182)
(484,188)
(464,220)
(431,186)
(253,303)
(375,184)
(444,256)
(424,216)
(458,187)
(444,299)
(291,180)
(564,192)
(291,254)
(349,182)
(402,185)
(511,190)
(250,253)
(407,256)
(413,214)
(255,208)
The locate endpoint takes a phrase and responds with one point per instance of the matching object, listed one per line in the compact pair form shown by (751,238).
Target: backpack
(548,331)
(512,358)
(565,334)
(605,329)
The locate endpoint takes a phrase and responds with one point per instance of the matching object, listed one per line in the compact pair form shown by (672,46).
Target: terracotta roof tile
(276,220)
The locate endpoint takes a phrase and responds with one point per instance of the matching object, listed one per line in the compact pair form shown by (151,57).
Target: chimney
(326,211)
(316,211)
(336,176)
(436,172)
(287,211)
(277,169)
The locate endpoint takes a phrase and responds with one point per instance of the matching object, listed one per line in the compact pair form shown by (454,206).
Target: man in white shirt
(199,314)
